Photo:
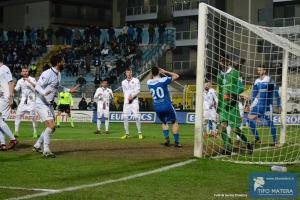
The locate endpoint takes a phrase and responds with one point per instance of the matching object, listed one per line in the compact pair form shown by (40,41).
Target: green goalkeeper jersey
(229,87)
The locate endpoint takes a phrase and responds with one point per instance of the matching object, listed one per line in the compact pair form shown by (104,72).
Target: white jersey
(103,96)
(210,99)
(131,87)
(27,90)
(5,78)
(49,81)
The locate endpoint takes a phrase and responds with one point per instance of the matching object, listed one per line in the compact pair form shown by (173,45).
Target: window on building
(284,11)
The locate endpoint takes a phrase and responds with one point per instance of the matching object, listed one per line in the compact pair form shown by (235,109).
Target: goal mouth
(250,113)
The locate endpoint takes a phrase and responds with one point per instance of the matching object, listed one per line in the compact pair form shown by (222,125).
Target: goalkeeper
(64,104)
(230,87)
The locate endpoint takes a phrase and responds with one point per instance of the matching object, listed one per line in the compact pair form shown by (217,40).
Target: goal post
(201,59)
(255,75)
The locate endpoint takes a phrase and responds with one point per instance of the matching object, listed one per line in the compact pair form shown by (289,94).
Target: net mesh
(240,102)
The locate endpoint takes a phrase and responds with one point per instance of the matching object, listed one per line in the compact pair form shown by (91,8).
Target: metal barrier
(141,10)
(187,35)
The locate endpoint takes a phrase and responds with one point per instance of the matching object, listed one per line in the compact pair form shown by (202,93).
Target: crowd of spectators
(21,48)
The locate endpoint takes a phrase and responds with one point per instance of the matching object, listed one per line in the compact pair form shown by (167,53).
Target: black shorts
(64,108)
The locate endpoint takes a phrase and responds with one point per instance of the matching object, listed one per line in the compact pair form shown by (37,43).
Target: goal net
(247,96)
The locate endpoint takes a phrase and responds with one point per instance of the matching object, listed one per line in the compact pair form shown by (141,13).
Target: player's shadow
(22,146)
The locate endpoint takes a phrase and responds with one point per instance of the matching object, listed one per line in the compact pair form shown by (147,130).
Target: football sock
(6,131)
(138,125)
(176,137)
(252,124)
(106,124)
(47,135)
(166,134)
(17,124)
(126,125)
(98,124)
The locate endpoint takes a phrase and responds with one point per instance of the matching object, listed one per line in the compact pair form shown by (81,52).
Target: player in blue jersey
(162,104)
(263,93)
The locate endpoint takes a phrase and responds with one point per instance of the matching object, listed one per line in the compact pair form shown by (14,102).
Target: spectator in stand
(139,32)
(68,36)
(92,105)
(151,32)
(97,36)
(161,31)
(125,33)
(131,33)
(49,33)
(97,80)
(81,81)
(82,104)
(111,33)
(76,38)
(82,66)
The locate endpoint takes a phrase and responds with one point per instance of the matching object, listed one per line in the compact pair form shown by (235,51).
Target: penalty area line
(85,186)
(29,189)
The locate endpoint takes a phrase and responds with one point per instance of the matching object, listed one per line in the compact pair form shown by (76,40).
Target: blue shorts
(167,116)
(259,110)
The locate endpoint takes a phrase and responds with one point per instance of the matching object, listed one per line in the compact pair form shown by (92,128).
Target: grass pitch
(86,158)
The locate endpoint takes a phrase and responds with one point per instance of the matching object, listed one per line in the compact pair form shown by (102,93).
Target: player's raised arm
(172,74)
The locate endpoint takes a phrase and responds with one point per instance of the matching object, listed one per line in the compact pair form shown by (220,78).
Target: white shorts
(210,114)
(4,108)
(131,109)
(25,108)
(101,112)
(46,112)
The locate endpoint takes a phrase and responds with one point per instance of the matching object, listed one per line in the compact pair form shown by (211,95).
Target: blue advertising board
(189,118)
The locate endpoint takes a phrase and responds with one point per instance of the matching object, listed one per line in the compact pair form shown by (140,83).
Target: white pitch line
(30,189)
(80,187)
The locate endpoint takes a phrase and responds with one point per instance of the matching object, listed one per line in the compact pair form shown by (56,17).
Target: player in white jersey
(47,88)
(131,88)
(26,86)
(6,101)
(103,96)
(210,113)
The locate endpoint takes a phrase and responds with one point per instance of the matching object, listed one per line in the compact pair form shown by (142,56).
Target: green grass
(84,158)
